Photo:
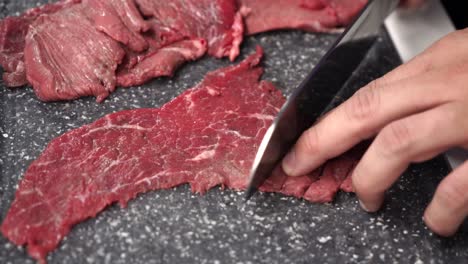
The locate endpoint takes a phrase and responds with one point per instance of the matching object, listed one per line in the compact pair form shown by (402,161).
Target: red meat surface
(329,182)
(13,31)
(120,19)
(135,36)
(67,57)
(163,62)
(77,48)
(205,137)
(310,15)
(217,21)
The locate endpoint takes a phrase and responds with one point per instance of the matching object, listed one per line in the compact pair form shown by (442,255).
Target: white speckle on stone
(123,234)
(324,239)
(114,223)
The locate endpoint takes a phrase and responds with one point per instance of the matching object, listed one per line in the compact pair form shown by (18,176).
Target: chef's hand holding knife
(415,112)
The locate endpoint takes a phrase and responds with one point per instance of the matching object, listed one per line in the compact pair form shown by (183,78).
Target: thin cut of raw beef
(163,62)
(217,21)
(310,15)
(119,19)
(66,57)
(75,49)
(207,136)
(13,31)
(85,48)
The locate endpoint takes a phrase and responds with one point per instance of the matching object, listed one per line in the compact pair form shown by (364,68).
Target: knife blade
(317,94)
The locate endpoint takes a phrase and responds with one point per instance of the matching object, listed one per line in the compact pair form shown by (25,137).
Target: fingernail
(363,206)
(289,163)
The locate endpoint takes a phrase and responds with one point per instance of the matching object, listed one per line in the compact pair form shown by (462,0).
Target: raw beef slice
(217,21)
(87,48)
(310,15)
(67,58)
(13,31)
(121,20)
(75,51)
(162,62)
(207,136)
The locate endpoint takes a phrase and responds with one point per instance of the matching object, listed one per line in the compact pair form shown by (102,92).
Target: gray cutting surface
(176,226)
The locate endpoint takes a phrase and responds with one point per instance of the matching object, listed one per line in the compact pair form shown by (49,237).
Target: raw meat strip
(13,31)
(310,15)
(121,20)
(67,58)
(131,73)
(345,10)
(324,189)
(163,62)
(189,140)
(74,52)
(217,21)
(207,136)
(321,185)
(296,186)
(347,184)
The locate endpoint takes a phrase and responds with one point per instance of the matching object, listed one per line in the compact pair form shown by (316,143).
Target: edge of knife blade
(251,188)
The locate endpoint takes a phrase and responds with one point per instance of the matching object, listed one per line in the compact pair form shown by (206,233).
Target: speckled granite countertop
(175,226)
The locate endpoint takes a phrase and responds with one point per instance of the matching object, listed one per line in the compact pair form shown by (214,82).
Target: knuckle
(395,139)
(364,103)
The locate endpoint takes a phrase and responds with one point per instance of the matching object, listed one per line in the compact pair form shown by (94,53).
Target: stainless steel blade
(317,92)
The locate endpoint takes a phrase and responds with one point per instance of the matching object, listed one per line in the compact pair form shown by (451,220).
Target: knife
(318,93)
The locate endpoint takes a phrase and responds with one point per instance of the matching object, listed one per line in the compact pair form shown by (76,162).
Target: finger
(412,139)
(367,112)
(449,207)
(442,54)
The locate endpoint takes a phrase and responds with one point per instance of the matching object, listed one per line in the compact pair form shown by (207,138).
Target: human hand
(415,112)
